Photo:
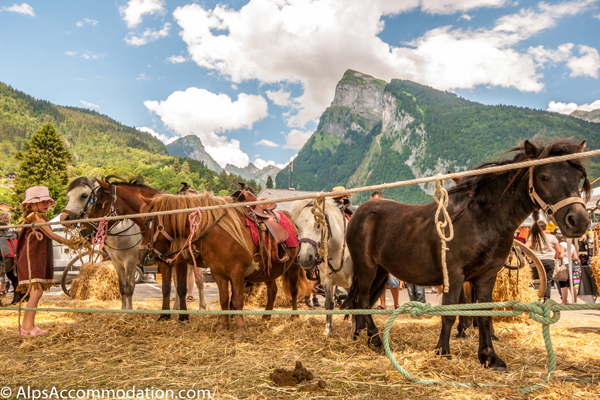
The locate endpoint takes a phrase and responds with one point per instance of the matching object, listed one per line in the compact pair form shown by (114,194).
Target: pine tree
(43,163)
(269,182)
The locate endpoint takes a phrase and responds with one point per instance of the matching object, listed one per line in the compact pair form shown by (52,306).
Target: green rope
(545,313)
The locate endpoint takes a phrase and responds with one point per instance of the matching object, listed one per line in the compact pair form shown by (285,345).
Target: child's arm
(46,230)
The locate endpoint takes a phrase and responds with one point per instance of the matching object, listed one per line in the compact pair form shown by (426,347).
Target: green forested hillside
(417,131)
(99,145)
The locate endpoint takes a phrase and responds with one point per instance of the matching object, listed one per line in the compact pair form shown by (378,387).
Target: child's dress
(41,258)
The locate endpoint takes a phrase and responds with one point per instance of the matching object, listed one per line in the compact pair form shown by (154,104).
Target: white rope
(475,172)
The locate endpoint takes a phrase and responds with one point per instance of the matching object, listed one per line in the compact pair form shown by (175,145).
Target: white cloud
(278,42)
(542,55)
(142,77)
(202,113)
(568,108)
(88,55)
(466,17)
(265,142)
(92,22)
(89,105)
(134,10)
(228,152)
(176,59)
(149,35)
(71,53)
(597,16)
(296,138)
(24,9)
(586,65)
(260,163)
(280,97)
(163,138)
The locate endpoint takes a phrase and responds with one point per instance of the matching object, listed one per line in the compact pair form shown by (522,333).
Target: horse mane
(118,180)
(230,223)
(557,147)
(299,205)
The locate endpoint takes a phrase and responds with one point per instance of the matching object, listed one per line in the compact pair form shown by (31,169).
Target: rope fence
(544,313)
(473,172)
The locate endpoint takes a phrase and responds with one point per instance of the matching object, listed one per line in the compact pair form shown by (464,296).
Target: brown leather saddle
(271,234)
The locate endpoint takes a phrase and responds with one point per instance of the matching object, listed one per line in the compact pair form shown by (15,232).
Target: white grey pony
(332,272)
(122,242)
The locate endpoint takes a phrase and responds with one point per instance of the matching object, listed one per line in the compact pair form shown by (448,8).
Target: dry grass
(112,351)
(97,281)
(515,285)
(595,266)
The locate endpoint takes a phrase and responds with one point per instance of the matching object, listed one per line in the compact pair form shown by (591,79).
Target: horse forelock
(231,223)
(301,214)
(81,181)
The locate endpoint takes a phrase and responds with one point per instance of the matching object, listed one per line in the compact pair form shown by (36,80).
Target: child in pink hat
(35,267)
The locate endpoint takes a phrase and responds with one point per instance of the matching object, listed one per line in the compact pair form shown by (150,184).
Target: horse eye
(84,196)
(544,178)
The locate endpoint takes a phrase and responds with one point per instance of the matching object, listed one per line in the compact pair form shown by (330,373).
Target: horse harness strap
(549,209)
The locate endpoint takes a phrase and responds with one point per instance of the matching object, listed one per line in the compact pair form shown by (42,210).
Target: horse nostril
(571,220)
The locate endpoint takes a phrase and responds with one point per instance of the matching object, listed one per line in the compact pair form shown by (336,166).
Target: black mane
(553,148)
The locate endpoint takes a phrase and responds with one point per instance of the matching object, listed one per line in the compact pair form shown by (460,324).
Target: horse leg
(200,286)
(122,274)
(223,286)
(165,271)
(271,296)
(175,277)
(237,299)
(452,297)
(328,287)
(483,288)
(464,322)
(182,289)
(292,277)
(130,266)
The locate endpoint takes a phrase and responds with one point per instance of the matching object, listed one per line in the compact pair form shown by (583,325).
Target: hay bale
(255,295)
(515,285)
(595,266)
(96,281)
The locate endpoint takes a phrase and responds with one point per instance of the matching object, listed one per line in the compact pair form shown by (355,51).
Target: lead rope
(100,237)
(195,219)
(39,237)
(441,198)
(318,210)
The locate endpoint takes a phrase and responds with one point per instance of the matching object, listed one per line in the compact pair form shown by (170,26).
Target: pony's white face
(308,254)
(81,199)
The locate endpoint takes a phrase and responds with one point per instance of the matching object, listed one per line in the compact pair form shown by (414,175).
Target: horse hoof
(184,318)
(294,317)
(461,335)
(441,353)
(266,317)
(494,337)
(164,317)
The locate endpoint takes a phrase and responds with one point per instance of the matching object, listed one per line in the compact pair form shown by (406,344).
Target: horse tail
(538,239)
(379,290)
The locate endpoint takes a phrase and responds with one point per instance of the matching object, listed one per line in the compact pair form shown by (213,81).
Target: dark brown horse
(93,198)
(224,242)
(386,237)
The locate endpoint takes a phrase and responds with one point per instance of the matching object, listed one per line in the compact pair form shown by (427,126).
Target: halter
(549,209)
(319,258)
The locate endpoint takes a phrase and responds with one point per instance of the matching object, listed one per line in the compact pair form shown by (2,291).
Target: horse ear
(456,180)
(531,150)
(146,200)
(105,186)
(582,146)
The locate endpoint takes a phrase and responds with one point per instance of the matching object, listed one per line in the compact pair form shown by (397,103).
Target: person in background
(35,262)
(343,202)
(564,286)
(415,292)
(10,237)
(547,250)
(376,195)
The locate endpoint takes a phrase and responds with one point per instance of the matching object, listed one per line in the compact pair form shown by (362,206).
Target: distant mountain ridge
(191,147)
(376,132)
(591,116)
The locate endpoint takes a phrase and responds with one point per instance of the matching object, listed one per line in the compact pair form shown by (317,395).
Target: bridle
(319,258)
(549,209)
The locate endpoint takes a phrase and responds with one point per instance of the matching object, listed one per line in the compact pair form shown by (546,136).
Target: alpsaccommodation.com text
(27,392)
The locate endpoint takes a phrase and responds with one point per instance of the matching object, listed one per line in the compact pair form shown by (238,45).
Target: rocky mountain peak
(361,93)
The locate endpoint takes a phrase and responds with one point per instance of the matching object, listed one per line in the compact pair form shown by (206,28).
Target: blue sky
(251,78)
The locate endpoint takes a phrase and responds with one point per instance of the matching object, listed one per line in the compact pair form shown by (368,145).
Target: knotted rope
(39,236)
(100,237)
(441,198)
(318,210)
(195,219)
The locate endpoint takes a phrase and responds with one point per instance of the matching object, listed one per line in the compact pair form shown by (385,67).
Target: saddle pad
(285,223)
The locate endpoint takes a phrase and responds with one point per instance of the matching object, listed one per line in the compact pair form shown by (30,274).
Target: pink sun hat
(36,194)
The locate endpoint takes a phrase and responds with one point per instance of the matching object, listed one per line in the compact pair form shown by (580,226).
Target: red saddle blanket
(292,240)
